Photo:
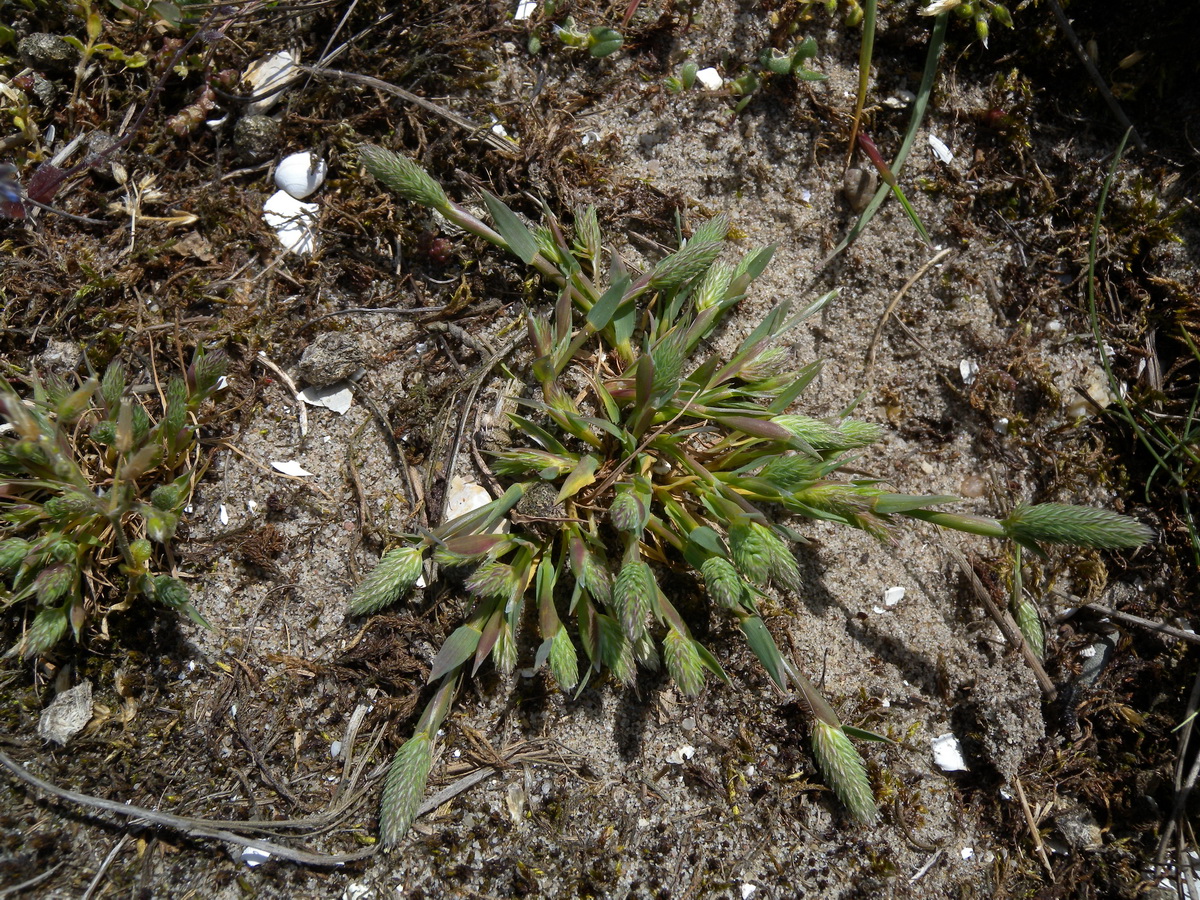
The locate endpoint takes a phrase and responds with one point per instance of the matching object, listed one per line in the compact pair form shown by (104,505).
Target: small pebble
(47,53)
(859,187)
(256,137)
(973,486)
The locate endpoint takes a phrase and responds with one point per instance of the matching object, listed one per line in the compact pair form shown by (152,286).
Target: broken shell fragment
(948,754)
(294,222)
(710,79)
(267,79)
(300,173)
(465,497)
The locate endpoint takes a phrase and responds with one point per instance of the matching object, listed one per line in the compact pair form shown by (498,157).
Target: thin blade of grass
(912,214)
(936,41)
(864,70)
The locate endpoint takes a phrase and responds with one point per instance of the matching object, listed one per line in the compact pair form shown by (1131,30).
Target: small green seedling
(599,41)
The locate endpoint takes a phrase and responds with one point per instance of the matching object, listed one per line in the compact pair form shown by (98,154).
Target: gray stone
(332,357)
(1078,826)
(44,89)
(98,143)
(59,357)
(47,53)
(67,715)
(256,137)
(859,187)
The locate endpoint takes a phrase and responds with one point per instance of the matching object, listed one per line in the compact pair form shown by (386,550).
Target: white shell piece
(337,397)
(968,369)
(301,173)
(252,856)
(268,77)
(940,150)
(291,467)
(465,497)
(525,9)
(938,7)
(1095,382)
(966,853)
(748,891)
(294,221)
(681,755)
(710,79)
(223,514)
(894,595)
(67,715)
(947,753)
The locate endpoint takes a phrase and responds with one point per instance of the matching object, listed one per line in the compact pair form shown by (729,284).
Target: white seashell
(300,173)
(465,497)
(268,77)
(968,369)
(947,753)
(940,150)
(291,467)
(293,220)
(710,79)
(337,397)
(680,755)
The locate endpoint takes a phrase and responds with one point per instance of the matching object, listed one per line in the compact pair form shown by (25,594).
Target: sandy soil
(629,792)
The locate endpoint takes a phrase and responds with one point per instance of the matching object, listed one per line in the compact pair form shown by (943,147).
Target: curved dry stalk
(200,828)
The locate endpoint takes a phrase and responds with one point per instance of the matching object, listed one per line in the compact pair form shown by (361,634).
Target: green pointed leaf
(516,234)
(603,309)
(710,662)
(488,639)
(707,539)
(458,648)
(583,475)
(862,734)
(763,645)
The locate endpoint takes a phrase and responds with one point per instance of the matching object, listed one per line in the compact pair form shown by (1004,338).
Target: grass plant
(91,483)
(645,453)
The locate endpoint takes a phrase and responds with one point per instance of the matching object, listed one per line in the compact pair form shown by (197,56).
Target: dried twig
(1004,622)
(892,308)
(482,133)
(1162,628)
(1033,829)
(199,828)
(291,386)
(29,883)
